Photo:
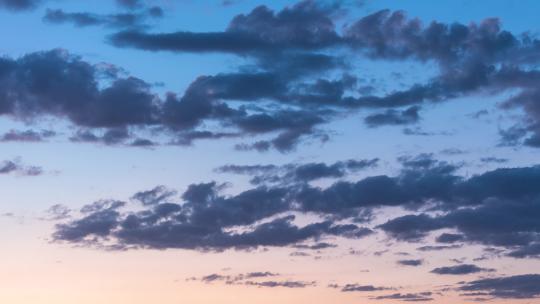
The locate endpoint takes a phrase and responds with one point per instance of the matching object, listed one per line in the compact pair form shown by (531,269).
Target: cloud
(449,238)
(316,246)
(525,286)
(410,262)
(203,222)
(407,297)
(286,48)
(155,196)
(254,279)
(58,212)
(528,251)
(438,248)
(298,173)
(72,90)
(361,288)
(85,19)
(16,167)
(305,25)
(19,5)
(460,269)
(492,159)
(101,218)
(235,279)
(286,284)
(478,208)
(26,136)
(393,117)
(496,222)
(131,4)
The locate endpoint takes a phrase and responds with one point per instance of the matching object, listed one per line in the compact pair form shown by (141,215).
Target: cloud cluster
(205,220)
(58,84)
(479,58)
(479,208)
(298,77)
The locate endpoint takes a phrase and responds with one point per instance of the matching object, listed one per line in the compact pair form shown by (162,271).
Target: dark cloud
(528,251)
(449,238)
(410,262)
(298,173)
(202,222)
(496,208)
(19,5)
(360,288)
(254,279)
(497,222)
(286,284)
(187,138)
(58,84)
(155,196)
(421,180)
(99,220)
(492,159)
(58,212)
(471,59)
(512,287)
(305,25)
(438,248)
(26,135)
(236,279)
(387,34)
(460,269)
(84,19)
(285,77)
(142,142)
(407,297)
(131,4)
(393,117)
(316,246)
(16,167)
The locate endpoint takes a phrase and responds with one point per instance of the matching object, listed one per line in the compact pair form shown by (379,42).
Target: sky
(235,151)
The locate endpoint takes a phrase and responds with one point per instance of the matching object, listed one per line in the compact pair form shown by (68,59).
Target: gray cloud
(84,19)
(16,167)
(19,5)
(408,297)
(460,269)
(298,173)
(26,135)
(410,262)
(525,286)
